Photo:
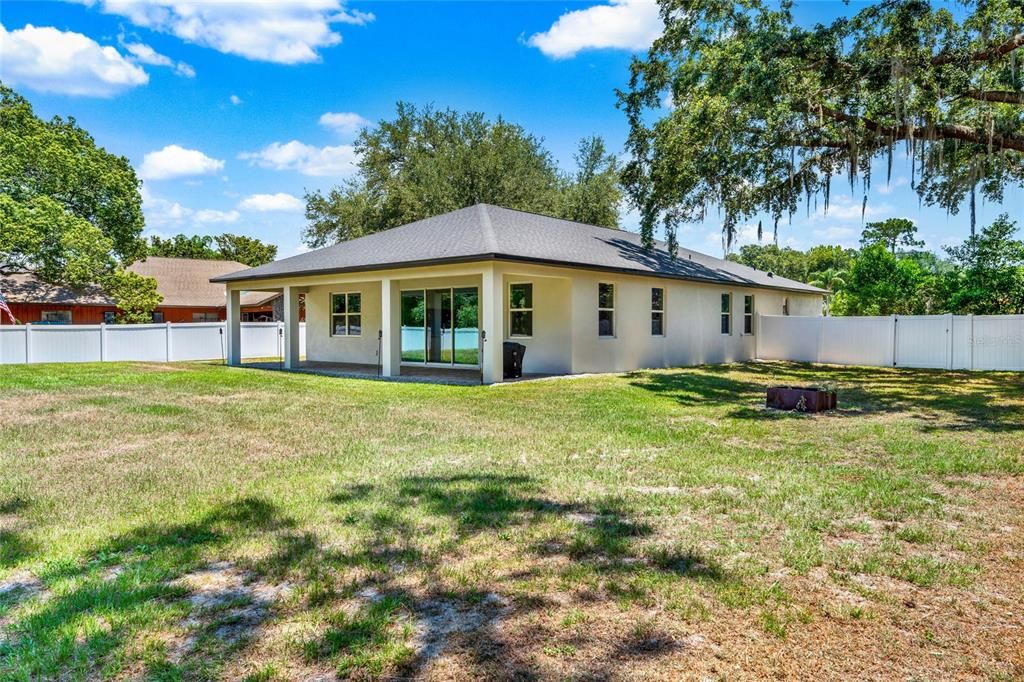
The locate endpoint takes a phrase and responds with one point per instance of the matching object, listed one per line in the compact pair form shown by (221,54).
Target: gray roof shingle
(484,232)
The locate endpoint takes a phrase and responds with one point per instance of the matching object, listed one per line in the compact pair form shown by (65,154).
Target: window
(605,309)
(657,311)
(520,309)
(727,313)
(205,317)
(158,317)
(748,314)
(56,317)
(109,317)
(346,314)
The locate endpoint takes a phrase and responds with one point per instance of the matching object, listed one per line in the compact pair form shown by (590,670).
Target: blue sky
(221,107)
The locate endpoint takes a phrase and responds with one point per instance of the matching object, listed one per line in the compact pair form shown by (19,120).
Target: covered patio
(354,370)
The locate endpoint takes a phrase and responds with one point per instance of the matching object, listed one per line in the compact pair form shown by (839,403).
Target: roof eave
(227,279)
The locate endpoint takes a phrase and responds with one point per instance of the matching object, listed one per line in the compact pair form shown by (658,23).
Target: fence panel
(136,342)
(923,341)
(856,340)
(65,343)
(197,341)
(983,342)
(999,342)
(12,345)
(788,338)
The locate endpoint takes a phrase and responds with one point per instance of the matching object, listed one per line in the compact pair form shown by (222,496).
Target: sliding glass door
(440,326)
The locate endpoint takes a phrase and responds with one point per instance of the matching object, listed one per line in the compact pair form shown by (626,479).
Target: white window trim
(753,308)
(331,314)
(729,313)
(664,317)
(519,310)
(615,300)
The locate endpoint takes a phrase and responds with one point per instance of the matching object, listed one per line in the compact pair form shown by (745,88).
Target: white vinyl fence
(983,342)
(140,342)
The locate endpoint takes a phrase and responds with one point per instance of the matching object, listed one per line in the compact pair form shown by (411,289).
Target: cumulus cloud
(174,161)
(235,99)
(47,59)
(622,24)
(147,55)
(284,31)
(344,122)
(306,159)
(271,202)
(163,212)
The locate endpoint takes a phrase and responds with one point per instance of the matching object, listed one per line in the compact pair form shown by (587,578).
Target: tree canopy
(764,113)
(71,211)
(424,162)
(248,250)
(892,233)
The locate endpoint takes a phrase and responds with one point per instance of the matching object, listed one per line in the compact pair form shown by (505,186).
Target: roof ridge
(490,239)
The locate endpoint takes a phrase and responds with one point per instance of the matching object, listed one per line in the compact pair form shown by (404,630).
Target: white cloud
(844,208)
(284,31)
(210,215)
(162,212)
(235,99)
(890,187)
(271,202)
(177,162)
(306,159)
(47,59)
(344,122)
(622,24)
(147,55)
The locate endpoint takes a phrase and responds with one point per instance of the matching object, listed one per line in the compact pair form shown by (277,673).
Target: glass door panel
(413,337)
(467,320)
(439,325)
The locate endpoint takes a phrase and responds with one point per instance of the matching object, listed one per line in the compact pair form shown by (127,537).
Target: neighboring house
(448,290)
(189,296)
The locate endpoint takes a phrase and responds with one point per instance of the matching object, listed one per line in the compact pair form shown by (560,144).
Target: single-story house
(445,292)
(189,296)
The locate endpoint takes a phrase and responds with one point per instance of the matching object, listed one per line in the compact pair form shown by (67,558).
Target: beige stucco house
(445,292)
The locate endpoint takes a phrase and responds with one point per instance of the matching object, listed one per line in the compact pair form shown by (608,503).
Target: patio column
(390,328)
(492,313)
(291,327)
(233,328)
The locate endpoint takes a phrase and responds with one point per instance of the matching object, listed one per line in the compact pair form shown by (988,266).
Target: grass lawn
(191,521)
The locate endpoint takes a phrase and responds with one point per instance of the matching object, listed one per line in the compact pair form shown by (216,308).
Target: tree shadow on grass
(935,399)
(389,599)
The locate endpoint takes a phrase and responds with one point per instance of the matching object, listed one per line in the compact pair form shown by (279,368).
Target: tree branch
(950,131)
(1004,96)
(1003,48)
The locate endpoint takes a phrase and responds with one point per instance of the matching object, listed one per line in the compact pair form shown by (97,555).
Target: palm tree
(831,280)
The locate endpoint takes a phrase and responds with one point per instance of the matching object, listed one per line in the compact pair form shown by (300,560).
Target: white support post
(167,341)
(895,334)
(492,312)
(103,341)
(291,327)
(390,328)
(28,343)
(233,328)
(821,338)
(971,339)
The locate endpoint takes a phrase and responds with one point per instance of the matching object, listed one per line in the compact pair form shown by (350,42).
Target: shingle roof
(183,282)
(483,232)
(28,289)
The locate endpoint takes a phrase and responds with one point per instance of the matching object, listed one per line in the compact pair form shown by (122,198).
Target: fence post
(167,341)
(821,338)
(103,341)
(28,343)
(971,331)
(895,326)
(949,340)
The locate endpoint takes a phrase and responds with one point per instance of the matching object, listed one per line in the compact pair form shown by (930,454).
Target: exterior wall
(185,314)
(321,346)
(32,313)
(565,336)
